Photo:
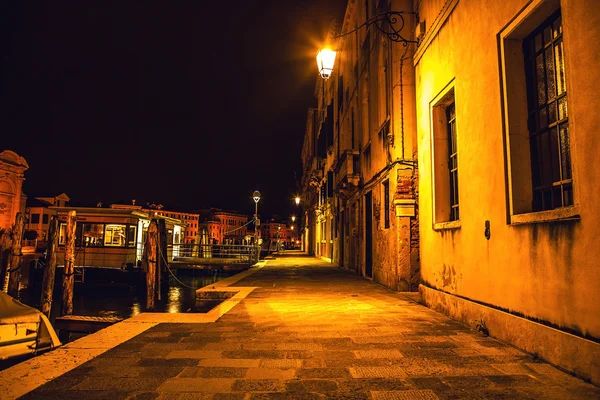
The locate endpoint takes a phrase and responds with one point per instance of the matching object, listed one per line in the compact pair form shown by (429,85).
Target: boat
(23,329)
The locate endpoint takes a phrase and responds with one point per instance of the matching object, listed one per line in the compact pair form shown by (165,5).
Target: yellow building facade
(508,180)
(486,120)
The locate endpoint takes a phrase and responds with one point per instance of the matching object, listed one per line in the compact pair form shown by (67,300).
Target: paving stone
(258,385)
(285,396)
(312,385)
(462,352)
(299,346)
(334,355)
(377,372)
(431,383)
(323,373)
(229,396)
(218,346)
(405,395)
(513,380)
(122,384)
(254,354)
(212,372)
(378,353)
(467,382)
(185,396)
(229,362)
(75,395)
(282,363)
(270,373)
(196,354)
(369,384)
(201,385)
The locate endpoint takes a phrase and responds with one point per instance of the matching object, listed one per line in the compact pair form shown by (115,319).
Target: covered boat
(23,329)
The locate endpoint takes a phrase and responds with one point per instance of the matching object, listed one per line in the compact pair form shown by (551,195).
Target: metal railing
(237,254)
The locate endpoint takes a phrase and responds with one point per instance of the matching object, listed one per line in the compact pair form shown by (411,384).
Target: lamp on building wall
(389,23)
(297,200)
(325,61)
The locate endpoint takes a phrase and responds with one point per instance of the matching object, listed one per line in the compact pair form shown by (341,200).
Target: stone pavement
(313,331)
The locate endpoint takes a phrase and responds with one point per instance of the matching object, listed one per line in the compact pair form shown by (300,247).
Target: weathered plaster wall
(545,271)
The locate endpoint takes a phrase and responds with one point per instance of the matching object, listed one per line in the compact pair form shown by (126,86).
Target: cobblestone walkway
(313,331)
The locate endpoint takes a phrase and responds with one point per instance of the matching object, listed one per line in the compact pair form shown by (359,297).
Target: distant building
(40,213)
(224,227)
(12,168)
(190,221)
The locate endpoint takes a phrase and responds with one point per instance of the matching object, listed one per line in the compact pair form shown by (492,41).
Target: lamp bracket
(389,23)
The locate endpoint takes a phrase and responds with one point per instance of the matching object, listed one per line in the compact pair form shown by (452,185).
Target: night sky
(191,104)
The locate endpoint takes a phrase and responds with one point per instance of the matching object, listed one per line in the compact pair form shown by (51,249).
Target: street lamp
(389,23)
(297,200)
(293,218)
(325,61)
(256,198)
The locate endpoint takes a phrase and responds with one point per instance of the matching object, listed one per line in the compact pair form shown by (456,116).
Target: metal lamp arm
(391,17)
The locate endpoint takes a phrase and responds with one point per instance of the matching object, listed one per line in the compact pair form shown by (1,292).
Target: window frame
(440,159)
(515,113)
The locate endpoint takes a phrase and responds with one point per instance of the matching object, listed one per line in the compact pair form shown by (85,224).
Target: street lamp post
(256,198)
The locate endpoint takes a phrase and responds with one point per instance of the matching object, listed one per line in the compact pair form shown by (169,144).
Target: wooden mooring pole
(49,268)
(162,255)
(69,270)
(149,261)
(14,261)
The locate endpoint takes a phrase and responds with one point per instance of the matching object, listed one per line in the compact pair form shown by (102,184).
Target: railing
(236,254)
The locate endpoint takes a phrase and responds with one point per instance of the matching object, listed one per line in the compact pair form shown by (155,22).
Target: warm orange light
(297,200)
(293,218)
(325,62)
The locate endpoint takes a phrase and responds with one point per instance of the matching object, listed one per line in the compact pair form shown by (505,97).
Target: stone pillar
(12,167)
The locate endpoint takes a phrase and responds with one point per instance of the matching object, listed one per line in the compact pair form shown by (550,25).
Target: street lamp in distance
(297,200)
(256,198)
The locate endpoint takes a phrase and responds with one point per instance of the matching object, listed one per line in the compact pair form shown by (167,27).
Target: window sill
(442,226)
(559,214)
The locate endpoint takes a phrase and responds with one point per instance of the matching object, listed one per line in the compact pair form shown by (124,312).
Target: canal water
(115,299)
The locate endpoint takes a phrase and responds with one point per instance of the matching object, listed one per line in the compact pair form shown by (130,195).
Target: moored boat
(23,329)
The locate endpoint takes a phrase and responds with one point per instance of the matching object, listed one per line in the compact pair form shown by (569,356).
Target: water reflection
(125,301)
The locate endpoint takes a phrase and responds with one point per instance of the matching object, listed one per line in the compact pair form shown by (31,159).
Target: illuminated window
(445,157)
(93,235)
(114,235)
(537,136)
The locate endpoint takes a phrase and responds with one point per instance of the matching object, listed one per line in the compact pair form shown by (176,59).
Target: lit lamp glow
(325,61)
(297,200)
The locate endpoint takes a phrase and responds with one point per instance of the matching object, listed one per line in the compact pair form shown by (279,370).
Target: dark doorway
(369,235)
